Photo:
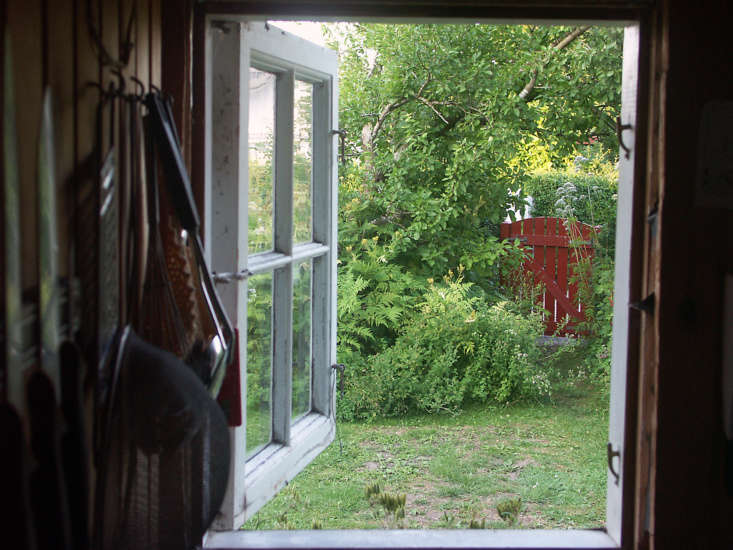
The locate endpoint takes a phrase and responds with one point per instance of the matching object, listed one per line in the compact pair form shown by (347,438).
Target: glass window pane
(302,161)
(259,361)
(301,338)
(261,147)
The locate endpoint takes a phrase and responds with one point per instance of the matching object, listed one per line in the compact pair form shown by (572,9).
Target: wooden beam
(177,50)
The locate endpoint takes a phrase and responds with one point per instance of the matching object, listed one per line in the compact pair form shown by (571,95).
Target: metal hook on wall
(140,96)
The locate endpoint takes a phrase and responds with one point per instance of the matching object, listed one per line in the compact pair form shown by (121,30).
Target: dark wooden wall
(691,508)
(59,44)
(52,46)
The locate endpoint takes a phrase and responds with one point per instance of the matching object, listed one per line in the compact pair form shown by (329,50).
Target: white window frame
(618,533)
(232,46)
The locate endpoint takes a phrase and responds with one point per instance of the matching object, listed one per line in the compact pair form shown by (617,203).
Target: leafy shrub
(508,509)
(599,322)
(589,198)
(455,348)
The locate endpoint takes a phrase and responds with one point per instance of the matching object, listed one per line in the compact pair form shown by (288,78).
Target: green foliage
(508,509)
(454,349)
(439,143)
(596,347)
(259,234)
(259,367)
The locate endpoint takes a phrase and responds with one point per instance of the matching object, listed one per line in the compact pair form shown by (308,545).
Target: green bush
(589,198)
(455,348)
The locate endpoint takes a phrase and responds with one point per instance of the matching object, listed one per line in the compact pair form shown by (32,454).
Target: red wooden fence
(554,248)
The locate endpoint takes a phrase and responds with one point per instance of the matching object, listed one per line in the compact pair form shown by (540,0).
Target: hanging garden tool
(164,452)
(184,253)
(48,489)
(158,319)
(138,227)
(15,461)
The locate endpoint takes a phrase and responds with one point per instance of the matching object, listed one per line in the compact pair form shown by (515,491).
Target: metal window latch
(619,135)
(646,305)
(610,455)
(340,367)
(228,277)
(342,140)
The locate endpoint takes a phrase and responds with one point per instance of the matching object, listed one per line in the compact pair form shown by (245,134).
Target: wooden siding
(51,45)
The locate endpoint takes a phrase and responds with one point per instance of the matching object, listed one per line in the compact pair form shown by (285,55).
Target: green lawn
(458,469)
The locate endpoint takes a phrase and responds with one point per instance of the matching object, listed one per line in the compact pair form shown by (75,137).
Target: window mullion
(322,139)
(283,277)
(322,145)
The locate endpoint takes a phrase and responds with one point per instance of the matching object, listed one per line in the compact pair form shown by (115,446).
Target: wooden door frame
(643,352)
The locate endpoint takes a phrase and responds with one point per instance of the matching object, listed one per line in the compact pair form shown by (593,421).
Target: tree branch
(570,37)
(386,110)
(432,107)
(557,46)
(530,85)
(384,113)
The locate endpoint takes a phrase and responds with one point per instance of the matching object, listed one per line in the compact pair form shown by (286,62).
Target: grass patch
(456,471)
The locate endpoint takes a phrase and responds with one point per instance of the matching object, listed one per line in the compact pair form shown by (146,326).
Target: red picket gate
(554,248)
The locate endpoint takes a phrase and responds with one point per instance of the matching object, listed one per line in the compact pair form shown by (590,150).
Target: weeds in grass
(475,524)
(508,509)
(392,503)
(448,520)
(372,491)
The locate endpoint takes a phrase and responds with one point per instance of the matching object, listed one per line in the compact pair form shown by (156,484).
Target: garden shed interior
(675,494)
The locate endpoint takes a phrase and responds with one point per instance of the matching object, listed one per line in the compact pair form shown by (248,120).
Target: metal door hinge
(646,305)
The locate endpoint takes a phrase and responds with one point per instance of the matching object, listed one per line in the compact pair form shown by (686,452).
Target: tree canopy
(443,122)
